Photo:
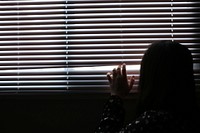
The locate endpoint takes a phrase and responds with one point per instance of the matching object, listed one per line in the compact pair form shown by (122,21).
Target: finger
(109,77)
(119,70)
(124,71)
(132,81)
(114,73)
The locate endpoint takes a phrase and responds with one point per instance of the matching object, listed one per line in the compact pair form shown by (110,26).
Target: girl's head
(166,78)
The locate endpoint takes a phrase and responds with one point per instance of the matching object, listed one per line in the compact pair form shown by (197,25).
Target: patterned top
(149,122)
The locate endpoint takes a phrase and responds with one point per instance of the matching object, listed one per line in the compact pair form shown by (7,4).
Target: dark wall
(44,113)
(57,113)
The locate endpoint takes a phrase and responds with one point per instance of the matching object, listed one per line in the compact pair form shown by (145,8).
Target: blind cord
(121,34)
(18,39)
(67,63)
(172,20)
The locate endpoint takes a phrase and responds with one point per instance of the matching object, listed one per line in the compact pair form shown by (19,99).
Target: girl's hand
(118,81)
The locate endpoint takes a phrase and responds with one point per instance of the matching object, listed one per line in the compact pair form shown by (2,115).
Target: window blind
(70,45)
(33,46)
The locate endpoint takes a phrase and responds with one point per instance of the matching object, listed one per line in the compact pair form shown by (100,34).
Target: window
(69,45)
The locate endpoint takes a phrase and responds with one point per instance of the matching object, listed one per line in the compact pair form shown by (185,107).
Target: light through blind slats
(69,45)
(32,46)
(102,34)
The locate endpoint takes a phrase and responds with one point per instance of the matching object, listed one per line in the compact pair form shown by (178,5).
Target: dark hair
(166,79)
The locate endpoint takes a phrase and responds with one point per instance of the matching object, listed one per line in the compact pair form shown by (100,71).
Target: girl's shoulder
(153,121)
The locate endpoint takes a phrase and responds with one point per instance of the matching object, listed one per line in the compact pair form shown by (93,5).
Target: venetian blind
(33,45)
(70,45)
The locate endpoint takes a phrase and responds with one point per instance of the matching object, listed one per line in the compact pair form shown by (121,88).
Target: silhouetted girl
(167,100)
